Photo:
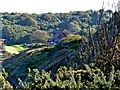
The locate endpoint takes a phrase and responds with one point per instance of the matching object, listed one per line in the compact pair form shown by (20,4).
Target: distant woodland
(22,28)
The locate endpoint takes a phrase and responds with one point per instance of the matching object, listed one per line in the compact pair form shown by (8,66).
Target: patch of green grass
(15,49)
(72,38)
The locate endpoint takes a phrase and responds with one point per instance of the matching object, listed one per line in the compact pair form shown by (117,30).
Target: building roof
(55,39)
(57,35)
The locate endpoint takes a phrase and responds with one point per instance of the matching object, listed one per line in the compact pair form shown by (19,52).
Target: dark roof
(56,38)
(57,35)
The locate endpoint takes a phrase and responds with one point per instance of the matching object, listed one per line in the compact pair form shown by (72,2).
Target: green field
(15,49)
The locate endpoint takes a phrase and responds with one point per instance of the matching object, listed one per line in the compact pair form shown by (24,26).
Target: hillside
(100,49)
(47,58)
(15,49)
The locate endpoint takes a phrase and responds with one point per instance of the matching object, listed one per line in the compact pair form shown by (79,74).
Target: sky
(44,6)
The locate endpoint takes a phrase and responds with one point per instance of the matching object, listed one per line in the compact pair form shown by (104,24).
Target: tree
(38,36)
(7,33)
(28,22)
(74,26)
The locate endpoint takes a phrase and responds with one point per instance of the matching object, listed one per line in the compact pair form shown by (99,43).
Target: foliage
(100,50)
(41,57)
(38,36)
(91,50)
(16,34)
(89,78)
(29,21)
(4,84)
(17,27)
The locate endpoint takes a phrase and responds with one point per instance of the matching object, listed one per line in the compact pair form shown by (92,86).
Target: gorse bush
(4,84)
(89,78)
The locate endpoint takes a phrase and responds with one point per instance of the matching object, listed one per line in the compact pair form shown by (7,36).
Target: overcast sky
(44,6)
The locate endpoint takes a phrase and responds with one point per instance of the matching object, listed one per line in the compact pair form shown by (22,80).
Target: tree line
(18,28)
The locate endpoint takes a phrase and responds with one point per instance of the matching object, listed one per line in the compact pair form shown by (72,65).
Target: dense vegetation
(28,28)
(89,78)
(78,62)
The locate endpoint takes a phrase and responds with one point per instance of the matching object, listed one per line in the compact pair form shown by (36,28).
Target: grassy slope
(48,58)
(15,49)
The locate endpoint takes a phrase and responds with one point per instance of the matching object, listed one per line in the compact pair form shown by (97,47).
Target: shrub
(90,78)
(4,84)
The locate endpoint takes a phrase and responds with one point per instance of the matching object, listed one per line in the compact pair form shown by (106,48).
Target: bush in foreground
(89,78)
